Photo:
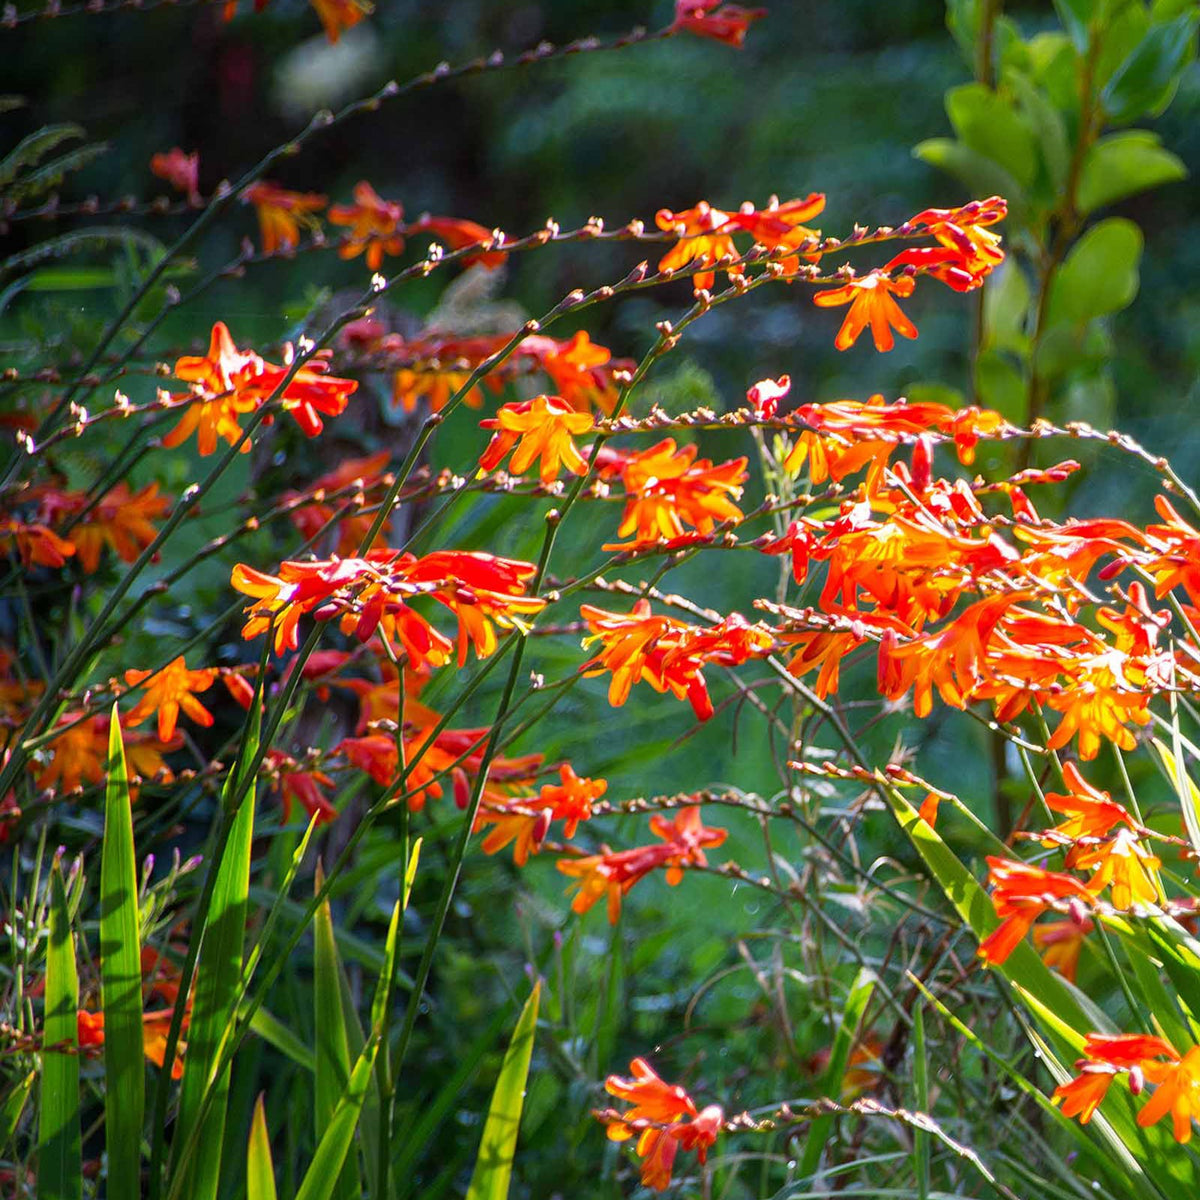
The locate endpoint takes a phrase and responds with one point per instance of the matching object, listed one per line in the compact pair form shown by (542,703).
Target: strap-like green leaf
(121,979)
(60,1164)
(260,1170)
(323,1172)
(218,980)
(493,1165)
(839,1057)
(332,1047)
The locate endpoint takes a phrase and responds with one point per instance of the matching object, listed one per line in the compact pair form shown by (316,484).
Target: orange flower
(963,230)
(376,226)
(686,836)
(1081,1096)
(1177,1093)
(1123,862)
(170,691)
(727,24)
(337,15)
(668,489)
(667,654)
(228,382)
(458,233)
(539,428)
(581,370)
(1060,943)
(1091,812)
(1105,692)
(37,544)
(657,1119)
(571,800)
(155,1028)
(280,212)
(181,171)
(871,303)
(1106,1056)
(215,380)
(780,226)
(703,239)
(120,520)
(360,473)
(1021,893)
(78,755)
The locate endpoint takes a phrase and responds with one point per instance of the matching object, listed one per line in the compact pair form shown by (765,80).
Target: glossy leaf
(1146,80)
(1122,165)
(1100,275)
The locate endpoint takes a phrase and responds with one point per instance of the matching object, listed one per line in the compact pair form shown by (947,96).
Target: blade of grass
(325,1169)
(497,1149)
(416,1134)
(330,1025)
(260,1170)
(839,1057)
(121,979)
(60,1163)
(14,1108)
(378,1154)
(271,1029)
(218,979)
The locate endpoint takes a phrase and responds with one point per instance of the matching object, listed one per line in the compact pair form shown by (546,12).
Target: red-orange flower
(540,428)
(339,15)
(170,691)
(119,519)
(668,489)
(582,371)
(1106,1056)
(37,544)
(155,1028)
(376,225)
(458,233)
(1060,943)
(667,654)
(704,239)
(181,171)
(728,23)
(281,213)
(663,1119)
(1021,893)
(781,226)
(871,303)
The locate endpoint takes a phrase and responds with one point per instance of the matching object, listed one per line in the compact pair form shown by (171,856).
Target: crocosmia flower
(281,213)
(376,226)
(540,428)
(871,303)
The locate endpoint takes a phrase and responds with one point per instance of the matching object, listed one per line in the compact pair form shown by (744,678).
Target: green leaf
(1076,15)
(51,174)
(1006,301)
(1124,164)
(835,1072)
(982,175)
(988,123)
(121,978)
(1100,275)
(332,1044)
(1048,126)
(1146,80)
(219,974)
(271,1029)
(497,1149)
(79,242)
(14,1108)
(1185,788)
(325,1169)
(34,148)
(60,1163)
(260,1170)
